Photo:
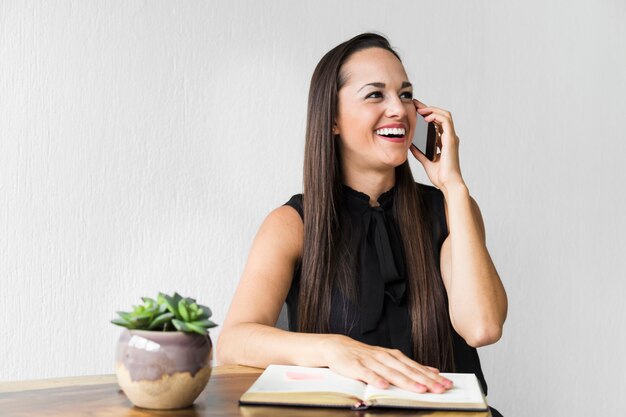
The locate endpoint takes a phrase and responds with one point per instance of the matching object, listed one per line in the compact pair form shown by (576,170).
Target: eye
(372,94)
(378,94)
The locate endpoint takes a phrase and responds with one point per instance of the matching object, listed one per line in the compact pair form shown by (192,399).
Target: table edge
(39,384)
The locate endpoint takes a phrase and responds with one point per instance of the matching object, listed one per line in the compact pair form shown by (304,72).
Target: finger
(446,125)
(419,104)
(435,370)
(433,373)
(410,377)
(441,112)
(397,378)
(418,155)
(368,376)
(426,110)
(437,118)
(422,159)
(437,155)
(430,372)
(398,372)
(434,382)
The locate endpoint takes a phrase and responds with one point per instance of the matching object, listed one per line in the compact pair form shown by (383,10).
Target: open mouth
(397,135)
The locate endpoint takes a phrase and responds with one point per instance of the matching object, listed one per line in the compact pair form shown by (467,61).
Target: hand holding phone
(436,147)
(425,137)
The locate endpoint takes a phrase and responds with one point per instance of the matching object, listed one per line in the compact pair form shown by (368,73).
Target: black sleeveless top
(382,318)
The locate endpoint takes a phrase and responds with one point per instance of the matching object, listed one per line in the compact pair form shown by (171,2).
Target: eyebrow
(382,85)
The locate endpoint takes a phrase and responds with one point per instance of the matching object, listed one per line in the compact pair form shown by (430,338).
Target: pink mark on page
(301,376)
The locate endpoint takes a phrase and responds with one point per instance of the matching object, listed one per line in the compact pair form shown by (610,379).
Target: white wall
(143,142)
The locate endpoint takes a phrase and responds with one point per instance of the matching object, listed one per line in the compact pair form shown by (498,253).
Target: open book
(321,387)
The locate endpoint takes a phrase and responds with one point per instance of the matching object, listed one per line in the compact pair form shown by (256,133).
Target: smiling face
(364,108)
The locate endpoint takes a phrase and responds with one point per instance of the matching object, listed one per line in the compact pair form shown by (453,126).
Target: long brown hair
(326,259)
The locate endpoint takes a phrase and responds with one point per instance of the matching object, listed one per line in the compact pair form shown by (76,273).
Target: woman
(376,286)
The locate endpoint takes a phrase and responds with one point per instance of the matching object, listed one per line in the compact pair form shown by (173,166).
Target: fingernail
(420,387)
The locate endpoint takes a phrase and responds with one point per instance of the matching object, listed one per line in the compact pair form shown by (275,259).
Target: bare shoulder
(272,260)
(285,217)
(283,228)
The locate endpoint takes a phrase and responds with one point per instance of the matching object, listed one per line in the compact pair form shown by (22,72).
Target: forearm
(476,295)
(258,345)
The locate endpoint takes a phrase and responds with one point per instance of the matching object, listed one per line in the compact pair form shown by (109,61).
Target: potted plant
(163,358)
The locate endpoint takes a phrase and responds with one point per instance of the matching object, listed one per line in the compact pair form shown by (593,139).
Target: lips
(394,140)
(393,126)
(400,139)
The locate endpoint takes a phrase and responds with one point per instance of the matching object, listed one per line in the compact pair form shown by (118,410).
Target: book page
(465,389)
(300,379)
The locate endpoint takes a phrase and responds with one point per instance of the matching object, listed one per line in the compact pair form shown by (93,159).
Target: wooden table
(101,396)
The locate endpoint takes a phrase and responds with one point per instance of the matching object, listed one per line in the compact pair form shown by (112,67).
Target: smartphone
(425,137)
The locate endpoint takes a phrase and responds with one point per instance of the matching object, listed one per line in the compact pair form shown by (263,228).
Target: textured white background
(143,142)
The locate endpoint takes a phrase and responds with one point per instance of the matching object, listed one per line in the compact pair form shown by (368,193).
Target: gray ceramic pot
(163,370)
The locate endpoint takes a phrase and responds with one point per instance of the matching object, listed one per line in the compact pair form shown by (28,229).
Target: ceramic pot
(163,370)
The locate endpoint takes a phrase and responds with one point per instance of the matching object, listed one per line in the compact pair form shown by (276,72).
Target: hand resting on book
(380,366)
(321,387)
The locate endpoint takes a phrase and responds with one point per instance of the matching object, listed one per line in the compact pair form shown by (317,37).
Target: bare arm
(477,299)
(249,337)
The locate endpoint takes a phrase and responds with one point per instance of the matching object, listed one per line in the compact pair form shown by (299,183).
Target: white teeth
(394,131)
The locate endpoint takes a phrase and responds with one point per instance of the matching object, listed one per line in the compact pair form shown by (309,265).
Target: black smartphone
(425,137)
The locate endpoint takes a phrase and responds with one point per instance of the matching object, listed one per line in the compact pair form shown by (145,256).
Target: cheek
(412,115)
(356,141)
(359,129)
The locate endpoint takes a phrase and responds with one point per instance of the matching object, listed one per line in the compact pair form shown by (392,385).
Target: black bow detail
(380,276)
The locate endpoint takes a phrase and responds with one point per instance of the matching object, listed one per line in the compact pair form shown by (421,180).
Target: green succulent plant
(168,314)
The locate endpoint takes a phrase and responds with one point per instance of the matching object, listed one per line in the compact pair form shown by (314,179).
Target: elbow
(221,349)
(484,329)
(484,335)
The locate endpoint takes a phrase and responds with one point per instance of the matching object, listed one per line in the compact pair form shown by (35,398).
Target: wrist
(327,346)
(454,188)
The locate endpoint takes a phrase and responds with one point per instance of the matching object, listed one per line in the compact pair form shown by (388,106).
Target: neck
(372,183)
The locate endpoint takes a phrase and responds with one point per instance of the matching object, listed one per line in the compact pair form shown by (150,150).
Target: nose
(395,108)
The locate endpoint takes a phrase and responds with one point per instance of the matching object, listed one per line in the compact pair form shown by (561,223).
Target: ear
(335,129)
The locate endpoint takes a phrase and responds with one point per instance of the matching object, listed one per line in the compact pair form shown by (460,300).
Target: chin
(395,159)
